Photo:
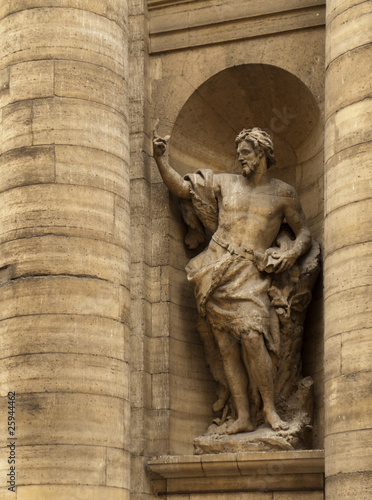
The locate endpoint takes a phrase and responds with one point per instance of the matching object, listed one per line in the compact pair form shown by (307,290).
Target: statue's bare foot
(275,421)
(242,424)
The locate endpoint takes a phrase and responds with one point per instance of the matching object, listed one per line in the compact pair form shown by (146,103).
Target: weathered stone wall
(64,233)
(347,259)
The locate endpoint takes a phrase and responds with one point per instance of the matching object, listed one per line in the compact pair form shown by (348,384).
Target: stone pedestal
(347,254)
(259,475)
(64,239)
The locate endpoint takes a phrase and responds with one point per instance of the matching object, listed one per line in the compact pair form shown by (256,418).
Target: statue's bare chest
(239,200)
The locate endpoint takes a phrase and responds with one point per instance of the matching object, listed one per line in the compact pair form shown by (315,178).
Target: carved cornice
(154,4)
(301,470)
(184,26)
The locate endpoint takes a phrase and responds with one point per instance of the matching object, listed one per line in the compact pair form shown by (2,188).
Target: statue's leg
(214,361)
(237,379)
(260,360)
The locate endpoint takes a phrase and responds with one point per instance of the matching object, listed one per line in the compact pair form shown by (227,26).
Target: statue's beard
(250,166)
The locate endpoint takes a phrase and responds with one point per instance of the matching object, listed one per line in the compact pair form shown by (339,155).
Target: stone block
(348,403)
(65,373)
(348,267)
(62,464)
(332,353)
(78,211)
(309,172)
(346,311)
(27,80)
(160,319)
(348,452)
(27,165)
(157,354)
(141,253)
(78,122)
(53,333)
(355,485)
(341,131)
(343,188)
(79,80)
(71,419)
(160,391)
(82,36)
(347,226)
(91,167)
(61,492)
(16,131)
(337,7)
(59,295)
(183,323)
(140,394)
(64,255)
(237,29)
(160,242)
(348,79)
(298,495)
(117,468)
(356,352)
(349,30)
(180,357)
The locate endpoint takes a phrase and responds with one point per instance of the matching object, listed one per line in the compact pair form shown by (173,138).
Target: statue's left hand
(283,260)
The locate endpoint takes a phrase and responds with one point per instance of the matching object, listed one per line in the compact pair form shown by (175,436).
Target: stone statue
(252,284)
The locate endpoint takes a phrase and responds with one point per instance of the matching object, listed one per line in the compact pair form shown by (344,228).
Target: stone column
(347,255)
(64,247)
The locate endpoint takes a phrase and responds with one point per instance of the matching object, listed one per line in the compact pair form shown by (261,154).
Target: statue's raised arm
(172,179)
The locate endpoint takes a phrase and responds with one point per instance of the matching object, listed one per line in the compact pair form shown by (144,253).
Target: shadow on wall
(204,137)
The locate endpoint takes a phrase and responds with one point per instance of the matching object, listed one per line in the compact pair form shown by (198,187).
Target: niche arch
(203,136)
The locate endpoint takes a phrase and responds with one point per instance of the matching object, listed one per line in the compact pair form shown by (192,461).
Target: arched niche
(203,136)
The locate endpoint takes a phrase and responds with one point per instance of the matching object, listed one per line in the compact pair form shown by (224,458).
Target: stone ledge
(301,470)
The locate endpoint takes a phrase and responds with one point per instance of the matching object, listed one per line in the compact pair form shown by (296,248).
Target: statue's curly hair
(260,140)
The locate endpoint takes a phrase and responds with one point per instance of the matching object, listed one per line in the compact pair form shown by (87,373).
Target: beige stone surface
(67,373)
(65,315)
(27,166)
(211,12)
(354,485)
(60,295)
(71,418)
(65,464)
(355,393)
(80,492)
(65,66)
(54,333)
(83,41)
(342,187)
(349,224)
(346,444)
(176,75)
(340,311)
(348,78)
(190,31)
(299,495)
(67,210)
(351,28)
(348,265)
(341,131)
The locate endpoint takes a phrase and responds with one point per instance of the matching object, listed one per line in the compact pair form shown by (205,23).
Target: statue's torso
(249,217)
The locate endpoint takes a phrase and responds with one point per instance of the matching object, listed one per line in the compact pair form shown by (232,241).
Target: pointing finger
(156,126)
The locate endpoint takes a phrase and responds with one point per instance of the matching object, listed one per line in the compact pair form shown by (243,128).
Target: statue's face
(249,158)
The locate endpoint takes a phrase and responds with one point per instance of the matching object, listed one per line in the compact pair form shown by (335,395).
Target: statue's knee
(226,343)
